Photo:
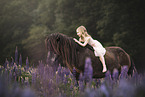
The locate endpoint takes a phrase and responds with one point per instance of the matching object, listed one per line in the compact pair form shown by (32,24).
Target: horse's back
(118,54)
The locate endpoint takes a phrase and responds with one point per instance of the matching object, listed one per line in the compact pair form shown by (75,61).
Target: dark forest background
(26,23)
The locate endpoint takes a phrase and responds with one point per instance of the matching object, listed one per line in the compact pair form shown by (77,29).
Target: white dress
(99,50)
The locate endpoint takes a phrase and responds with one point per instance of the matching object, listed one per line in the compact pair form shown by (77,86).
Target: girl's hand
(75,39)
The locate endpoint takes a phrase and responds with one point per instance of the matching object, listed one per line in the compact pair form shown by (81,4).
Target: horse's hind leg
(124,59)
(132,69)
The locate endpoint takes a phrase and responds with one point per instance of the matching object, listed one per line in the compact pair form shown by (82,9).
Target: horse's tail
(132,68)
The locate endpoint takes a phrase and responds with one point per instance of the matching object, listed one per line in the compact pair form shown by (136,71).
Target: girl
(99,50)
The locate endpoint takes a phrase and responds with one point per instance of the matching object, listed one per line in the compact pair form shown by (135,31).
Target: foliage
(50,81)
(26,24)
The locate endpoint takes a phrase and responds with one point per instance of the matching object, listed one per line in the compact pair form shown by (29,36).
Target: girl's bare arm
(82,44)
(80,40)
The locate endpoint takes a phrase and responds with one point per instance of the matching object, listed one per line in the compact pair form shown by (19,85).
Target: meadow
(53,80)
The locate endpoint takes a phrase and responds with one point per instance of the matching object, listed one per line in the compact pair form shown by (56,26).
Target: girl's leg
(102,59)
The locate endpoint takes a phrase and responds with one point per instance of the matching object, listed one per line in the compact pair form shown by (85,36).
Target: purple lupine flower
(108,79)
(49,71)
(20,72)
(124,72)
(81,77)
(76,83)
(65,80)
(62,73)
(27,63)
(74,72)
(50,83)
(108,75)
(20,60)
(115,75)
(88,72)
(6,72)
(6,63)
(12,62)
(41,68)
(81,86)
(98,82)
(71,86)
(135,77)
(26,82)
(16,55)
(57,78)
(67,71)
(10,76)
(81,82)
(125,89)
(27,92)
(59,70)
(104,90)
(33,78)
(15,67)
(14,76)
(22,80)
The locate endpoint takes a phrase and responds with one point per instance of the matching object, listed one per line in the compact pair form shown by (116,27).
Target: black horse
(73,55)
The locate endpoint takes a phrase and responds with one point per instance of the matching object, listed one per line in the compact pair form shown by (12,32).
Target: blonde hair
(83,30)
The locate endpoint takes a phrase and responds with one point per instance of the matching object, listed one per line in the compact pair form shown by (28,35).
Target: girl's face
(79,34)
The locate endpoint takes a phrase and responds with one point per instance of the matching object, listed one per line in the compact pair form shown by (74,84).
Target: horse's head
(54,42)
(63,46)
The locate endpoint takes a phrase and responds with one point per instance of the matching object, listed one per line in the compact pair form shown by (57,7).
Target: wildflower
(57,77)
(65,80)
(27,92)
(12,62)
(26,82)
(71,86)
(5,64)
(81,82)
(15,76)
(27,63)
(108,76)
(115,75)
(14,67)
(20,60)
(10,75)
(124,71)
(104,90)
(19,73)
(88,72)
(81,77)
(108,79)
(33,78)
(125,89)
(22,80)
(74,72)
(16,55)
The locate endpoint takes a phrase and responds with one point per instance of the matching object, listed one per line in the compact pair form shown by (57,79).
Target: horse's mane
(62,45)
